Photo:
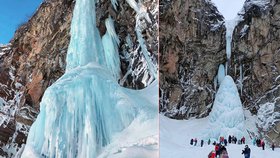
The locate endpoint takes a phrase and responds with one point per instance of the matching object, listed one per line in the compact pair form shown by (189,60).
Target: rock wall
(256,47)
(36,56)
(34,59)
(192,45)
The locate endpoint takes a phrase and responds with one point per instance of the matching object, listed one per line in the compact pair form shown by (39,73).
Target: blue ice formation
(81,113)
(227,116)
(230,25)
(221,73)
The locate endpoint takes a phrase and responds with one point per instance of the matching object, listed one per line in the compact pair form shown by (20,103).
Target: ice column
(221,73)
(110,43)
(230,25)
(85,44)
(227,117)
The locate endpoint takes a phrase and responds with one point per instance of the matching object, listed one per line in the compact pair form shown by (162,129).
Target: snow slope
(175,137)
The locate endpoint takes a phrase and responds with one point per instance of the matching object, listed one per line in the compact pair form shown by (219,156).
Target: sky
(229,8)
(12,14)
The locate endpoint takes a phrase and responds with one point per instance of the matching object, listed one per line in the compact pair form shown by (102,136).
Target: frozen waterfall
(230,25)
(227,116)
(86,111)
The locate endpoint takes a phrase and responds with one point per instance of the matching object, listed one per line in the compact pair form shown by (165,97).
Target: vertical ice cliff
(86,110)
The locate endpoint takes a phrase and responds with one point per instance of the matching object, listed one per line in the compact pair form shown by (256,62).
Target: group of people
(220,147)
(194,142)
(233,140)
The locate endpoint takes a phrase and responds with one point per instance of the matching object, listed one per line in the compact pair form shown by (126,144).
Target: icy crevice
(142,14)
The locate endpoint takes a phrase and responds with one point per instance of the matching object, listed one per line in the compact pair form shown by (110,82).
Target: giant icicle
(83,112)
(227,113)
(221,73)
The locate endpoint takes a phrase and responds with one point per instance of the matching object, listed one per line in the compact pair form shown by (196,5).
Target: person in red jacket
(243,140)
(262,144)
(217,149)
(212,154)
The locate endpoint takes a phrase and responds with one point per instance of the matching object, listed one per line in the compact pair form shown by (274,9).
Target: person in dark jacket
(214,143)
(225,142)
(229,139)
(195,141)
(222,148)
(235,140)
(258,142)
(209,141)
(201,143)
(191,142)
(273,146)
(246,152)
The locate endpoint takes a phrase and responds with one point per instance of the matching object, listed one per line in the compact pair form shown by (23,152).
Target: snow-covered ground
(175,138)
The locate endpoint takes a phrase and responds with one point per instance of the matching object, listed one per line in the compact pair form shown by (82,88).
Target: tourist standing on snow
(243,140)
(221,140)
(262,144)
(258,142)
(235,140)
(224,153)
(229,139)
(254,141)
(212,154)
(191,142)
(273,146)
(209,141)
(246,152)
(217,149)
(195,141)
(201,143)
(225,142)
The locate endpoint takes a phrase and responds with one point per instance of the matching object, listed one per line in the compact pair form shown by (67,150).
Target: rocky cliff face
(35,58)
(192,45)
(256,47)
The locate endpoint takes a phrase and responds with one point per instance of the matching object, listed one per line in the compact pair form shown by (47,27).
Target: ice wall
(226,117)
(86,109)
